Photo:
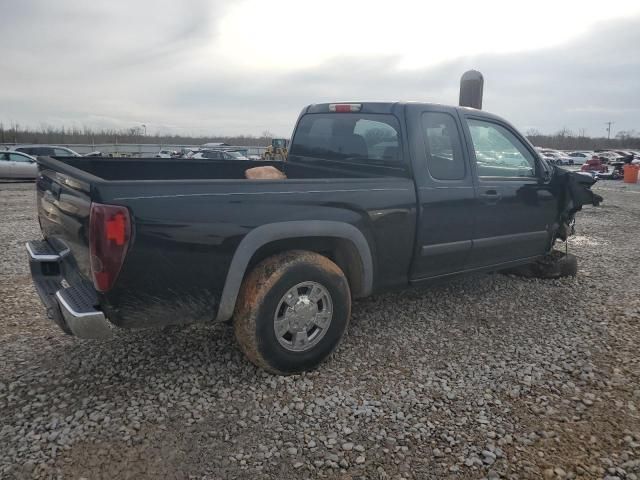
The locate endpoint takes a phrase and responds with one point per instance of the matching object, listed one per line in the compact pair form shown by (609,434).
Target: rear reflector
(345,107)
(109,234)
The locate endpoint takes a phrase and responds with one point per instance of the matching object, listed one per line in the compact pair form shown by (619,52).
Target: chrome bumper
(84,324)
(70,304)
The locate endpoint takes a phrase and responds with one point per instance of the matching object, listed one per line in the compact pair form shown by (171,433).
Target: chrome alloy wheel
(303,316)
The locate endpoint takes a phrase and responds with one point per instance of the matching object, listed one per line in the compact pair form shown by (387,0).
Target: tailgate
(64,205)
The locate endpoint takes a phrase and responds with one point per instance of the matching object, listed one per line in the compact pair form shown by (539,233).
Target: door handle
(491,196)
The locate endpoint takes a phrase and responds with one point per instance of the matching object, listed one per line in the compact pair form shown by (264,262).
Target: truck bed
(190,216)
(127,169)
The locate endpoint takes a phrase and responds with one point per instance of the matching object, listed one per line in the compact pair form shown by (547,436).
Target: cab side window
(499,153)
(443,148)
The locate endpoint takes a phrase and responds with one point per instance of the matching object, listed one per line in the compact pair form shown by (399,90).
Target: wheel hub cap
(303,316)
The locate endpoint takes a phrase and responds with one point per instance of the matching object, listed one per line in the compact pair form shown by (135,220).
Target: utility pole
(608,124)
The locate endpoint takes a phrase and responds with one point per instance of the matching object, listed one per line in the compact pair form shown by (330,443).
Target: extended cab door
(514,212)
(445,191)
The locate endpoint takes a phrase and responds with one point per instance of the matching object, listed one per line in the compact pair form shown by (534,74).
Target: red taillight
(345,107)
(109,234)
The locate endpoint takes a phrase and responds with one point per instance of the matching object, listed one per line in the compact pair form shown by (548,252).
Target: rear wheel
(292,311)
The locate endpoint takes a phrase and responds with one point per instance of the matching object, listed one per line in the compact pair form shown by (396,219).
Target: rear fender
(265,234)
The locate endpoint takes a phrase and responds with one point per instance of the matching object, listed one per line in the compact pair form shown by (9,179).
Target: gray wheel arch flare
(265,234)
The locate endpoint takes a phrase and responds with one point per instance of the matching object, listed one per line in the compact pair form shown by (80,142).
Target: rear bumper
(70,300)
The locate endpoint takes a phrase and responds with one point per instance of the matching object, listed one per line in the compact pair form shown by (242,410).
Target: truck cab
(483,197)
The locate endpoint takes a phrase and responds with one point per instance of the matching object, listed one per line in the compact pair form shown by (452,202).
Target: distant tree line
(567,140)
(89,136)
(564,139)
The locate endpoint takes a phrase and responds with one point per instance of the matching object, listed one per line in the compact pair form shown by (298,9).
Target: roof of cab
(391,107)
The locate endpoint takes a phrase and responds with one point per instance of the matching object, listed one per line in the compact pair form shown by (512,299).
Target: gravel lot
(490,376)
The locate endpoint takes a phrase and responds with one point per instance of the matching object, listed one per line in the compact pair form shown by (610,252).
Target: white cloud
(214,67)
(291,34)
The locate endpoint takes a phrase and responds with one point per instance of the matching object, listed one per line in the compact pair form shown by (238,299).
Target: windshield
(236,155)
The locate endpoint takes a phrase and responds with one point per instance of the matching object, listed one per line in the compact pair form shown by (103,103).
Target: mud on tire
(261,305)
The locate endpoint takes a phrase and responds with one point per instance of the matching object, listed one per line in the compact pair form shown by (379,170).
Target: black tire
(260,298)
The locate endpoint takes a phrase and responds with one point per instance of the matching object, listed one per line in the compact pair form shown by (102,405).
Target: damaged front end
(573,190)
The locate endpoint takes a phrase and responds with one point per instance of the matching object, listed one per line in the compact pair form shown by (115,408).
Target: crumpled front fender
(573,190)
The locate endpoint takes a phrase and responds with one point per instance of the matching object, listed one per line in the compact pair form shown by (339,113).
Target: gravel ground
(490,376)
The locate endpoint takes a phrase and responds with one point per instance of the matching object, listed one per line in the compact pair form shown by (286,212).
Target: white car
(556,157)
(549,158)
(580,157)
(45,150)
(219,155)
(17,165)
(609,156)
(165,154)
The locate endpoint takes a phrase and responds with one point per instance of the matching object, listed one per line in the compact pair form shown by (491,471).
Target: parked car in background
(607,156)
(625,156)
(580,157)
(164,153)
(559,158)
(17,165)
(219,154)
(45,151)
(549,158)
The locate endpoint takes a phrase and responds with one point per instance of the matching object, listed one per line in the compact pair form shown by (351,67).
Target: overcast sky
(246,66)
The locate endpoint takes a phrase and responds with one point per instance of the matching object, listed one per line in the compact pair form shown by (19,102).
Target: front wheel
(292,311)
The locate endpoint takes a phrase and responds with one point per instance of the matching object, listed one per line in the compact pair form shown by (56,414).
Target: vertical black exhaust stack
(471,84)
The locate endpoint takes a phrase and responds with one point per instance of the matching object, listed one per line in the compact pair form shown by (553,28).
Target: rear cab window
(348,138)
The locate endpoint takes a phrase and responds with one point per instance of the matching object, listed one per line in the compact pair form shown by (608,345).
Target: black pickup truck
(376,196)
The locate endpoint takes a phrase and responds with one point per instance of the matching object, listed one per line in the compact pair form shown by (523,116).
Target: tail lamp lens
(109,235)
